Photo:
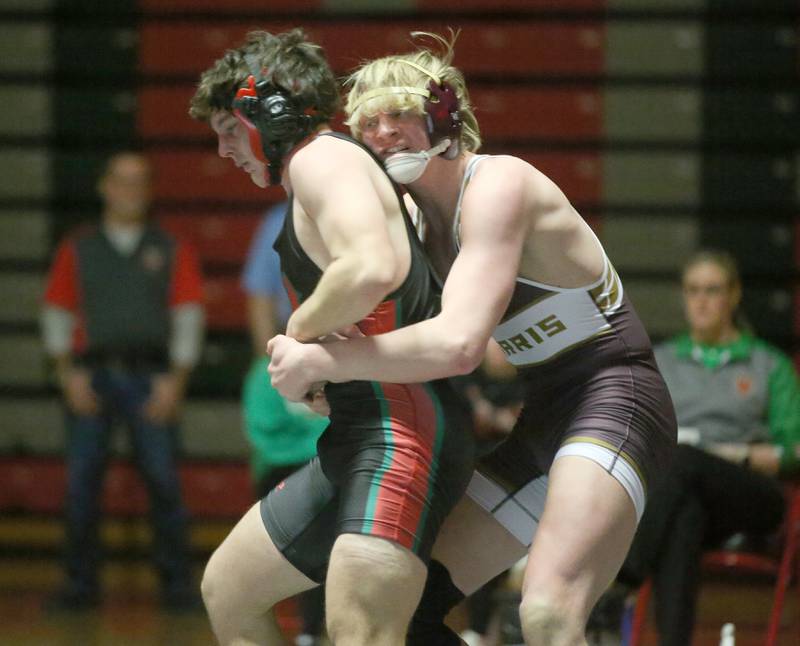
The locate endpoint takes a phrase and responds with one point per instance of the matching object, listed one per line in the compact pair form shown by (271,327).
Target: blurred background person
(282,434)
(123,322)
(268,306)
(737,401)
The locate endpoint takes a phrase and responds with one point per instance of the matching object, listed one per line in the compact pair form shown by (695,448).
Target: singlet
(544,322)
(418,298)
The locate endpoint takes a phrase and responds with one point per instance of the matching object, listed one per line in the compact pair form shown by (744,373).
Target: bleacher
(669,124)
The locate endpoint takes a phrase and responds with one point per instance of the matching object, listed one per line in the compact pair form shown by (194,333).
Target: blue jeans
(122,396)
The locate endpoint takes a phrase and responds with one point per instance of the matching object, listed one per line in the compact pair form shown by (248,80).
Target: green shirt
(744,391)
(281,432)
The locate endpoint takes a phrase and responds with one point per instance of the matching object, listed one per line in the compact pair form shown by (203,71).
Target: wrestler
(395,457)
(521,266)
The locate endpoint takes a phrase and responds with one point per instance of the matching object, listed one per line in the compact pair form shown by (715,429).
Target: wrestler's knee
(548,623)
(374,586)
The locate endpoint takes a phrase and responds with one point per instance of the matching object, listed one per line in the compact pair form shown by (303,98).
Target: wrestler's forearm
(345,294)
(417,353)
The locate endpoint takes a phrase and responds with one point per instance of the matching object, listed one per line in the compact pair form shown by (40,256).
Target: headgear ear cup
(442,116)
(441,107)
(275,120)
(245,108)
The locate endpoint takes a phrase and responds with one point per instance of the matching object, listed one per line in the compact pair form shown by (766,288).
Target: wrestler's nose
(387,126)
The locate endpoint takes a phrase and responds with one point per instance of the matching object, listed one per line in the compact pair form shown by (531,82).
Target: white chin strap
(405,168)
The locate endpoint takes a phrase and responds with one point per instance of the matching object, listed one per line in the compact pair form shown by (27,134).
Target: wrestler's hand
(291,367)
(317,401)
(349,332)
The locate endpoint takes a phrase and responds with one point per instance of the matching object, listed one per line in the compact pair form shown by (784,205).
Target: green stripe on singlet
(435,451)
(386,464)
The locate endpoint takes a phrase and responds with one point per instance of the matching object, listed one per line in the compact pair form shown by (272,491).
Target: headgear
(442,120)
(275,120)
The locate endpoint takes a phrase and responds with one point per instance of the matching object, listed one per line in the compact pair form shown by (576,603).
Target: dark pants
(701,501)
(154,450)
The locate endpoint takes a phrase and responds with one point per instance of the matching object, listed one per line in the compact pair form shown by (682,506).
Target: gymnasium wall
(669,123)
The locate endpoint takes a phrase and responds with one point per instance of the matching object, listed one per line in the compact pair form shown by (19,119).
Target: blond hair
(400,83)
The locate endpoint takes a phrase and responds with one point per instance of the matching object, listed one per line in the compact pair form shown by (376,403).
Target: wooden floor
(745,604)
(122,621)
(130,616)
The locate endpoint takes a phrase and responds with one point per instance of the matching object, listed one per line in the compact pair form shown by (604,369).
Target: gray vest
(125,299)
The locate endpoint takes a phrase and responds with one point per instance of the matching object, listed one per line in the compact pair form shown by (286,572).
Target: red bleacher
(204,175)
(272,6)
(226,307)
(579,175)
(501,47)
(511,5)
(228,6)
(163,111)
(502,111)
(540,113)
(210,490)
(217,237)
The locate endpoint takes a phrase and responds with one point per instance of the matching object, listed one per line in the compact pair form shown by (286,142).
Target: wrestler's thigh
(474,546)
(248,570)
(584,534)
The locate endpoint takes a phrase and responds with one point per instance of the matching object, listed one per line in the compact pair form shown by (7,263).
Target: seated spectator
(123,322)
(737,400)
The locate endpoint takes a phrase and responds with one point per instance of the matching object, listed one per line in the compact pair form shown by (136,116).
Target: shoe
(471,638)
(71,600)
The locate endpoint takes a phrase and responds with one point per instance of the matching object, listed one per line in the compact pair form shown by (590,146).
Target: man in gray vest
(123,322)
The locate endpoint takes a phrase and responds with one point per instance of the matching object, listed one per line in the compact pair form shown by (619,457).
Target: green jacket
(745,391)
(281,432)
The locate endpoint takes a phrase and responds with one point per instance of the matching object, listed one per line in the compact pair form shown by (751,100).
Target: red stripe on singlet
(292,293)
(382,319)
(401,501)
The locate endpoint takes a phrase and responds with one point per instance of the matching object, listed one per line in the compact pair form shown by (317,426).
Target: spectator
(737,400)
(123,322)
(282,434)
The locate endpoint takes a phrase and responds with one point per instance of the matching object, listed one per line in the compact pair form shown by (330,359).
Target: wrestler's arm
(333,183)
(475,296)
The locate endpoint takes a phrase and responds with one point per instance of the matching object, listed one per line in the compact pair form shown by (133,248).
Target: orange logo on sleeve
(744,384)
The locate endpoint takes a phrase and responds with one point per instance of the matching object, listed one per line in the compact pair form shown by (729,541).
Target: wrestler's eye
(370,124)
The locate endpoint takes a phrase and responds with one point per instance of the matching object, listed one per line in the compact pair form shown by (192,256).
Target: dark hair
(289,60)
(112,158)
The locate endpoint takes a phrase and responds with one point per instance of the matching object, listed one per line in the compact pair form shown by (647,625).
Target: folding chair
(752,563)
